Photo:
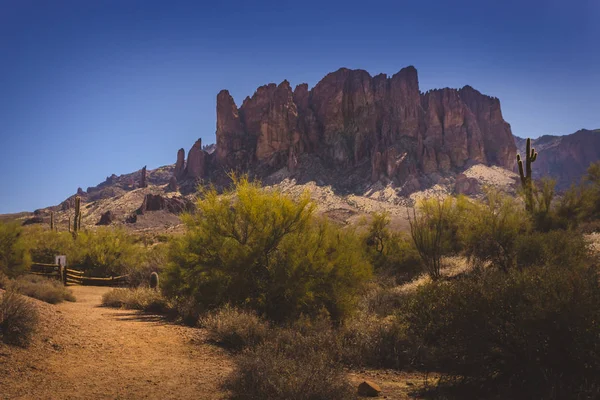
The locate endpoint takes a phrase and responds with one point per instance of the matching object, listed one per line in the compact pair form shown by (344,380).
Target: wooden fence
(70,276)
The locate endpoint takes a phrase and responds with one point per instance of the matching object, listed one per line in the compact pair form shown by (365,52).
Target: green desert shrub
(14,257)
(18,319)
(261,250)
(492,229)
(153,258)
(44,245)
(566,248)
(433,230)
(141,298)
(235,329)
(289,366)
(106,252)
(391,253)
(532,332)
(371,341)
(49,290)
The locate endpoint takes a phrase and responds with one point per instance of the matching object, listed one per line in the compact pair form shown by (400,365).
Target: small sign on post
(62,262)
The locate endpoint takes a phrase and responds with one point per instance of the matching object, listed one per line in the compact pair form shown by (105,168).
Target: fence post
(65,276)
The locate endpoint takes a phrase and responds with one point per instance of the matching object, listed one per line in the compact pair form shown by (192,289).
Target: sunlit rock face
(351,118)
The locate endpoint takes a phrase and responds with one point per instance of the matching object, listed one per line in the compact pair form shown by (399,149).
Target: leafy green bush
(533,332)
(141,298)
(391,252)
(49,290)
(433,229)
(258,249)
(18,319)
(14,257)
(235,329)
(290,366)
(492,230)
(105,252)
(44,245)
(559,247)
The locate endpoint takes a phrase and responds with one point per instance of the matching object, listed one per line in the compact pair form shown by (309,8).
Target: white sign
(60,260)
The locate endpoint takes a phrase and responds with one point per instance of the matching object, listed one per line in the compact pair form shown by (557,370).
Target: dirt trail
(86,351)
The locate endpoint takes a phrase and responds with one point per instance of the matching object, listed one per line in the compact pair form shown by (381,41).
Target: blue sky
(96,87)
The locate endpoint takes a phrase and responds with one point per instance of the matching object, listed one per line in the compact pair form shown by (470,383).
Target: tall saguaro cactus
(51,220)
(77,219)
(526,180)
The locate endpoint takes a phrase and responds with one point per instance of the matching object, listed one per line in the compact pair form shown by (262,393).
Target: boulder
(467,186)
(369,389)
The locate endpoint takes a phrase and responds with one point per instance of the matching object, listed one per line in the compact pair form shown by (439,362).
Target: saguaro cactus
(154,280)
(51,220)
(526,181)
(77,219)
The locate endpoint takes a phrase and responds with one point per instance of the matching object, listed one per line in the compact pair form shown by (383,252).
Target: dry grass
(290,366)
(235,329)
(49,290)
(18,319)
(145,299)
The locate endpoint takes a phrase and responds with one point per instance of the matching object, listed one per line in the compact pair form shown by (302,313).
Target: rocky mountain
(356,135)
(377,127)
(564,158)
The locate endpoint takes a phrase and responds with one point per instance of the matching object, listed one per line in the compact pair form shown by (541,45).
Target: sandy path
(89,352)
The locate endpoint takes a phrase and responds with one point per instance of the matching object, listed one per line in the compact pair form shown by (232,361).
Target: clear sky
(89,88)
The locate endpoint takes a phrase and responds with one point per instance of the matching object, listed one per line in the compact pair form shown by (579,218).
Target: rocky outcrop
(564,158)
(156,202)
(172,186)
(179,164)
(106,218)
(350,118)
(143,178)
(467,186)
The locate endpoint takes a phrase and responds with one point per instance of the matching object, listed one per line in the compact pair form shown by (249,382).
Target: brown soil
(84,351)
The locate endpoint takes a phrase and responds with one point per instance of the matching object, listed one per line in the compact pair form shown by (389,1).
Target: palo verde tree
(429,229)
(259,249)
(526,180)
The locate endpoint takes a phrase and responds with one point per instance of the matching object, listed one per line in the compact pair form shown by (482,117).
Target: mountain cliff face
(351,119)
(564,158)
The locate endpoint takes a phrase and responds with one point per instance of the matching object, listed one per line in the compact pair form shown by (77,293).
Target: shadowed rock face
(350,118)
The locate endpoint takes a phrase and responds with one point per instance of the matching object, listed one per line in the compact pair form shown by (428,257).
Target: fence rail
(71,276)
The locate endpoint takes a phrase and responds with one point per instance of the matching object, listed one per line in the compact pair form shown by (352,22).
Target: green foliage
(235,329)
(18,319)
(14,257)
(492,230)
(258,249)
(49,290)
(144,299)
(565,248)
(106,252)
(534,331)
(391,252)
(431,231)
(44,245)
(290,366)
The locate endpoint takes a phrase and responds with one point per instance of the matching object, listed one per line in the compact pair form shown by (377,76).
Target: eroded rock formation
(350,118)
